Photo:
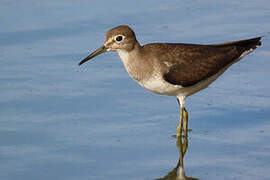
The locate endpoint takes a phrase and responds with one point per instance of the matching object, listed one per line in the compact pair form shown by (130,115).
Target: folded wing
(198,62)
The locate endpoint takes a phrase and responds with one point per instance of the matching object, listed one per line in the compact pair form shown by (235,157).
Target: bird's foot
(183,133)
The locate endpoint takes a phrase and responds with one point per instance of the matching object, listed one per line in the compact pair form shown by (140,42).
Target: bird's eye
(119,38)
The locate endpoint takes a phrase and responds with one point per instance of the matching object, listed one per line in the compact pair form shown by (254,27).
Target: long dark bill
(100,50)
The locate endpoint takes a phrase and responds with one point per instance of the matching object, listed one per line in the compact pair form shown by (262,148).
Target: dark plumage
(198,62)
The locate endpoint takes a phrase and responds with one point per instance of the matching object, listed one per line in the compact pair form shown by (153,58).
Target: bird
(174,69)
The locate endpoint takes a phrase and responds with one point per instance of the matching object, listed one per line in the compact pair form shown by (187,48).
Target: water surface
(61,121)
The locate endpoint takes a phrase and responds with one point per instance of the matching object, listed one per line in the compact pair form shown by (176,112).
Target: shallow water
(61,121)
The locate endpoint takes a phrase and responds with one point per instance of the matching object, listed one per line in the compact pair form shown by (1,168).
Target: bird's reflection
(178,173)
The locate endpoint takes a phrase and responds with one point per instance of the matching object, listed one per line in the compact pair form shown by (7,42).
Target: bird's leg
(185,114)
(180,126)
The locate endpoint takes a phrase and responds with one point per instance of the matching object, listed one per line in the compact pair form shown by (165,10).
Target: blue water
(62,121)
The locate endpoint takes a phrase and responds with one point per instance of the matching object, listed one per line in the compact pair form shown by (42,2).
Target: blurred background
(62,121)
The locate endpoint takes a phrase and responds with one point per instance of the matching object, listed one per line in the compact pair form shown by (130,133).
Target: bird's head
(118,38)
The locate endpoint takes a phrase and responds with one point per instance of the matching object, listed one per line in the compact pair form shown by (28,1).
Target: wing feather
(197,62)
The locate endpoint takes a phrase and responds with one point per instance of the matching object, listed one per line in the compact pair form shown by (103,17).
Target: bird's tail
(246,46)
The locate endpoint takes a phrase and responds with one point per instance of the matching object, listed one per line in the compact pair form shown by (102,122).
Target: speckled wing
(198,62)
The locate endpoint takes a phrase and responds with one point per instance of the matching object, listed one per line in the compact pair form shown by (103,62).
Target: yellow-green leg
(185,114)
(183,123)
(180,125)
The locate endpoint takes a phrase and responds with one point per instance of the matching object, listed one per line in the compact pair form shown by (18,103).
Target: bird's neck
(136,66)
(129,55)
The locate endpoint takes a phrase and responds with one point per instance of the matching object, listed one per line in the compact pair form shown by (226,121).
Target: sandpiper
(174,69)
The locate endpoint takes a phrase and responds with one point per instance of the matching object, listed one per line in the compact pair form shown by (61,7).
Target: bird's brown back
(191,63)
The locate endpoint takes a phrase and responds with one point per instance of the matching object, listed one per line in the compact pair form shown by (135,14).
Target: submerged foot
(181,134)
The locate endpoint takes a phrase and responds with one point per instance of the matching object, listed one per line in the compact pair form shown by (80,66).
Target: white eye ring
(119,38)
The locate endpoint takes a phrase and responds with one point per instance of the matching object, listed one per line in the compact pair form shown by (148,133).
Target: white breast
(155,83)
(158,85)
